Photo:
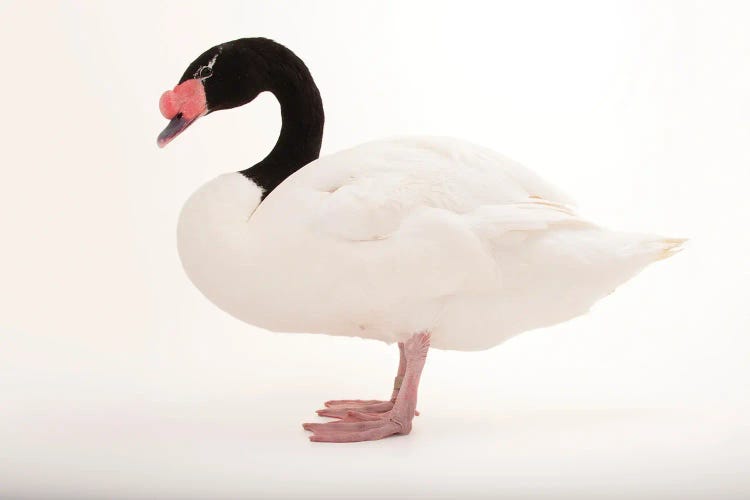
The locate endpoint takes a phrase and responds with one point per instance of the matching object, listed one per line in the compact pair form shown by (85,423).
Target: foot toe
(362,416)
(349,402)
(348,432)
(341,411)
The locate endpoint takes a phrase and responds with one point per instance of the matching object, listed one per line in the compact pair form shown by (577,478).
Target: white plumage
(400,236)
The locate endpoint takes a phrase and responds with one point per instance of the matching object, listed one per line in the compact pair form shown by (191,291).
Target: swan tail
(667,247)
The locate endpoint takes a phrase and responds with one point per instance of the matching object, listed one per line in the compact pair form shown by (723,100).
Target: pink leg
(340,408)
(363,426)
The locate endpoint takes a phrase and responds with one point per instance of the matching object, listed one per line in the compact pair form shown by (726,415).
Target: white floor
(204,440)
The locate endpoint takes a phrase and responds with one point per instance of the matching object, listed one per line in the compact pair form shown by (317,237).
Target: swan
(427,242)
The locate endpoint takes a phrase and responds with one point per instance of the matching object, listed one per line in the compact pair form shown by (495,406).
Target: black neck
(301,124)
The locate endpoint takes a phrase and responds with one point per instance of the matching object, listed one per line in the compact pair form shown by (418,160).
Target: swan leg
(365,426)
(339,408)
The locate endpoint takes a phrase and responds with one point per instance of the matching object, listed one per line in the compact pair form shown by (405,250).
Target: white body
(395,237)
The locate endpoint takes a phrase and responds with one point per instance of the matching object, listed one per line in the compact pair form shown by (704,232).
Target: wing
(398,225)
(373,189)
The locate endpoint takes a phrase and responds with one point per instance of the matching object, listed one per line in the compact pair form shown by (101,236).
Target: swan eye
(204,72)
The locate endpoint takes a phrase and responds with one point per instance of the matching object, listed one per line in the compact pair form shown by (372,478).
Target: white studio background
(119,380)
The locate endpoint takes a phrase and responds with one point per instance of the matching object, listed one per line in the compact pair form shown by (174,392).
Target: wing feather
(374,188)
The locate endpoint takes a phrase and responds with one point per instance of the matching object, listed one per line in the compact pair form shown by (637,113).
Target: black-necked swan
(422,241)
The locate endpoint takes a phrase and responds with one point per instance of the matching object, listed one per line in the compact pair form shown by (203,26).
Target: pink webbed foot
(339,408)
(355,427)
(369,420)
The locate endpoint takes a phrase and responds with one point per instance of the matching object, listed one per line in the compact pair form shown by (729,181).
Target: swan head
(233,74)
(223,77)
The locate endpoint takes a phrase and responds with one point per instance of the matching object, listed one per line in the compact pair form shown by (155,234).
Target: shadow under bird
(421,241)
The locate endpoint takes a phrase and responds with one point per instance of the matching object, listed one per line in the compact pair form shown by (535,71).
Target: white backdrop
(118,379)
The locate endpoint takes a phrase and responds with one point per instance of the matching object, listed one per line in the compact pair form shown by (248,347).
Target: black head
(233,74)
(223,77)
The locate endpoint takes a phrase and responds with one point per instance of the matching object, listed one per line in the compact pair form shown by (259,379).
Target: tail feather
(669,247)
